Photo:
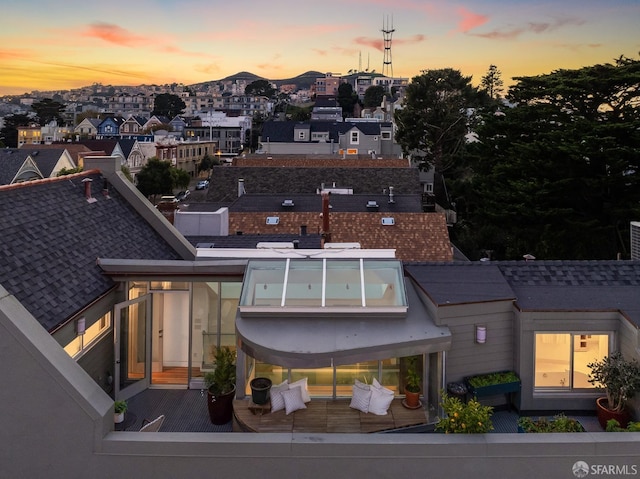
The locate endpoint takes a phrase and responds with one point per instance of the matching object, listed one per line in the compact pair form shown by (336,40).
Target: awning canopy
(308,341)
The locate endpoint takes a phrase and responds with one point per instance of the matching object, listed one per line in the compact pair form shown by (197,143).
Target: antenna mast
(387,33)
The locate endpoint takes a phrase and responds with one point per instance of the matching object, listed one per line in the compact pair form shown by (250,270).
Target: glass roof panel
(263,283)
(304,283)
(383,283)
(343,283)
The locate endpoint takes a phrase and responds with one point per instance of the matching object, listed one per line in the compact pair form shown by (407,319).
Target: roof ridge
(24,184)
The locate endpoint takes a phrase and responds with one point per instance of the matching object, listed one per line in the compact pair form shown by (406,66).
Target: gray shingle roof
(291,181)
(51,238)
(339,203)
(537,285)
(11,160)
(45,158)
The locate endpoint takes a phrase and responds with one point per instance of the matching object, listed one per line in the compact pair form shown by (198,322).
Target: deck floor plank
(327,416)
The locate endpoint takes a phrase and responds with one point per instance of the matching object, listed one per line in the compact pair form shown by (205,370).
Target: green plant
(412,379)
(493,378)
(559,423)
(120,407)
(222,379)
(464,418)
(614,426)
(618,377)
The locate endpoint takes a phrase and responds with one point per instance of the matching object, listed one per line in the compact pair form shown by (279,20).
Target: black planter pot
(220,407)
(260,388)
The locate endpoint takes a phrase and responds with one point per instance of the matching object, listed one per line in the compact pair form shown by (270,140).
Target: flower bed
(491,384)
(559,423)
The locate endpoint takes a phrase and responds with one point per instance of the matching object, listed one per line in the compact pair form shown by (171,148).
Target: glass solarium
(323,283)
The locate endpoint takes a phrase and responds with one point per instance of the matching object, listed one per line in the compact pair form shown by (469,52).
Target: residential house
(87,321)
(133,126)
(327,85)
(87,128)
(185,155)
(326,109)
(30,162)
(109,127)
(230,133)
(355,137)
(155,121)
(29,135)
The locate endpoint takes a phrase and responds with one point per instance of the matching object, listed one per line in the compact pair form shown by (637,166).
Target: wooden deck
(327,416)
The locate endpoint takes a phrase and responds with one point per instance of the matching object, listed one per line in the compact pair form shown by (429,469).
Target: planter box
(492,389)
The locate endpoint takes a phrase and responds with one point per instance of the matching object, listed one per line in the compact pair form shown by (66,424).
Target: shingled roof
(536,285)
(52,236)
(288,180)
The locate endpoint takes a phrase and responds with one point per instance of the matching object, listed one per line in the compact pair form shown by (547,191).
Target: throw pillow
(302,384)
(361,397)
(277,401)
(293,400)
(381,399)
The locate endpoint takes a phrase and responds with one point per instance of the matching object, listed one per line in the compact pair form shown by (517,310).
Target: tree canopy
(373,96)
(156,178)
(260,88)
(169,105)
(434,119)
(492,82)
(347,99)
(9,132)
(48,110)
(557,175)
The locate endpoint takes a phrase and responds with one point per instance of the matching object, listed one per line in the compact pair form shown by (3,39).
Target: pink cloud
(114,34)
(469,20)
(378,43)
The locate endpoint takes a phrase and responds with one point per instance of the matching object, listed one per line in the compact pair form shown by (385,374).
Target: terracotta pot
(412,400)
(605,414)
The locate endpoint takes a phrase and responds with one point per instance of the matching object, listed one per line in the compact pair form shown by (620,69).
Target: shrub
(614,426)
(464,418)
(559,423)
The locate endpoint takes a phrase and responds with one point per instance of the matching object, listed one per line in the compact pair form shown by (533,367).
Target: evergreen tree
(169,105)
(492,83)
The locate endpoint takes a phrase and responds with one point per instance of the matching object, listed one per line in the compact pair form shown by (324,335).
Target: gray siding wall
(467,357)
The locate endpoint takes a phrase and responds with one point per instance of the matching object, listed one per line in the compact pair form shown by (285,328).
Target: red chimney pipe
(326,233)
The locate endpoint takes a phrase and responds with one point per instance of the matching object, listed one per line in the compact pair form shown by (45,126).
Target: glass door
(132,346)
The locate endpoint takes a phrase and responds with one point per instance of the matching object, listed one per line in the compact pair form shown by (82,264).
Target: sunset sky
(47,45)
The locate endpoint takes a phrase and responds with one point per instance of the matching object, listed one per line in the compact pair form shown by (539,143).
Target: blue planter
(492,389)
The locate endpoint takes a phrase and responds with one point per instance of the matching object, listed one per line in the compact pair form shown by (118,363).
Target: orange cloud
(376,43)
(469,20)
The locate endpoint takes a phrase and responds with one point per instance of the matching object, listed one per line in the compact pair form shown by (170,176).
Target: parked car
(168,199)
(203,184)
(183,195)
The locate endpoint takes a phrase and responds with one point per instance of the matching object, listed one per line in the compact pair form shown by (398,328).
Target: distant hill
(304,80)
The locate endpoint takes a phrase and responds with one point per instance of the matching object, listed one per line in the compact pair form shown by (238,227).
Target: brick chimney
(326,231)
(87,190)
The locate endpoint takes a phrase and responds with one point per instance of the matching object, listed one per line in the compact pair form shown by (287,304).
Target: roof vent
(288,203)
(371,204)
(388,221)
(205,245)
(273,220)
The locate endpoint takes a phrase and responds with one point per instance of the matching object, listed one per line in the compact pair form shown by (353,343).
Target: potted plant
(413,381)
(559,423)
(221,386)
(502,382)
(621,380)
(464,418)
(260,388)
(119,408)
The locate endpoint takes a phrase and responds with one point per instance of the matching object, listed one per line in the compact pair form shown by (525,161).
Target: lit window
(83,342)
(561,359)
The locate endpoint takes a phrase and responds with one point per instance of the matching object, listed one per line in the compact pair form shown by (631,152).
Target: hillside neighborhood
(337,254)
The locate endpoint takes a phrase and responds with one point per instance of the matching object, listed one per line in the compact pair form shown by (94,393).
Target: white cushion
(293,400)
(381,399)
(361,396)
(302,384)
(277,401)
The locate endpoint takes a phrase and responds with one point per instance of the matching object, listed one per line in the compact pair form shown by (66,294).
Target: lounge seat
(152,426)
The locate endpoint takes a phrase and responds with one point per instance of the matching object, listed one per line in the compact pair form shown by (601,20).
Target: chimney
(326,233)
(303,230)
(391,200)
(240,187)
(105,188)
(87,190)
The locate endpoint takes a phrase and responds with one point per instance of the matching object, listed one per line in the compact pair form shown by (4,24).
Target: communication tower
(387,33)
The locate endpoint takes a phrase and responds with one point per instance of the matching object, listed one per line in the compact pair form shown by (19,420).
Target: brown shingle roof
(414,236)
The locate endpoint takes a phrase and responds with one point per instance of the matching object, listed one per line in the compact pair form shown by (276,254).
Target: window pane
(263,283)
(343,283)
(587,349)
(383,283)
(304,283)
(319,380)
(552,360)
(346,376)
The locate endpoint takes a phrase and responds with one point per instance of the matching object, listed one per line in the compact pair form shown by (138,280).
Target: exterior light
(481,334)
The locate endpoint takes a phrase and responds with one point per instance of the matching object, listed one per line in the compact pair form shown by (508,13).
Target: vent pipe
(240,187)
(391,200)
(87,190)
(303,230)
